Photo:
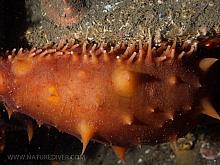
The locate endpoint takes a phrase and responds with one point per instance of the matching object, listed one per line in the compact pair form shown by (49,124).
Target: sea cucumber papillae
(122,95)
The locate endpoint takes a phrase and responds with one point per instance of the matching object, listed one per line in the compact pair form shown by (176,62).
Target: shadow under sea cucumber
(122,95)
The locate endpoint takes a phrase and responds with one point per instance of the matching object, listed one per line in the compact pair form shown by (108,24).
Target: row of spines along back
(135,52)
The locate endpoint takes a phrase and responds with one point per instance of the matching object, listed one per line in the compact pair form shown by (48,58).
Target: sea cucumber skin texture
(119,103)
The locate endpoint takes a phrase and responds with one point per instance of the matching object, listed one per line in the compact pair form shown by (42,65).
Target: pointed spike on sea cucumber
(105,56)
(84,48)
(75,56)
(186,44)
(172,53)
(52,50)
(118,46)
(20,51)
(180,56)
(132,57)
(129,50)
(10,112)
(167,51)
(192,49)
(43,53)
(160,59)
(102,45)
(38,51)
(172,80)
(174,44)
(74,46)
(111,50)
(206,63)
(120,152)
(72,41)
(33,50)
(39,123)
(170,115)
(208,109)
(148,59)
(13,51)
(150,109)
(100,49)
(86,132)
(61,44)
(141,52)
(47,51)
(66,46)
(7,53)
(159,125)
(118,60)
(133,46)
(30,130)
(93,48)
(195,46)
(187,108)
(58,53)
(94,58)
(85,58)
(127,119)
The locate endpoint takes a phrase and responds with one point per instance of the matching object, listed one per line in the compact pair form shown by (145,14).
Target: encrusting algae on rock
(122,95)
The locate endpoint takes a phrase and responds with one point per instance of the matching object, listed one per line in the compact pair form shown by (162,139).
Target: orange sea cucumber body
(122,96)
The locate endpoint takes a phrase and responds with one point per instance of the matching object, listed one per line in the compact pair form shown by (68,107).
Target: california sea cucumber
(122,95)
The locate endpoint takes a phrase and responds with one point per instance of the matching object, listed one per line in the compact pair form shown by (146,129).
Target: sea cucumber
(121,95)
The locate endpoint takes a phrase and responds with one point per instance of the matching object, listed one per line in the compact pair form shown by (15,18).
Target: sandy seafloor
(23,23)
